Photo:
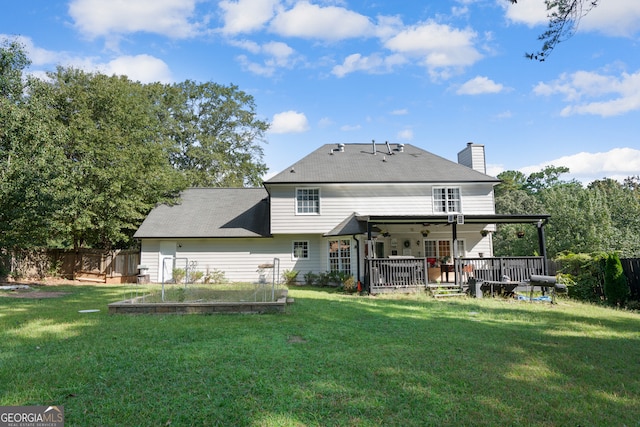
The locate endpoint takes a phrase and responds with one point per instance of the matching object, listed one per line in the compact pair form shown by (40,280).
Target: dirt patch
(26,291)
(32,294)
(294,339)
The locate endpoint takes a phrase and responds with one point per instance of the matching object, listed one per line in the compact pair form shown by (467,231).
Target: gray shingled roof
(210,212)
(357,163)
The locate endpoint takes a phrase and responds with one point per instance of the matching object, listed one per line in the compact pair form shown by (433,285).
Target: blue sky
(434,74)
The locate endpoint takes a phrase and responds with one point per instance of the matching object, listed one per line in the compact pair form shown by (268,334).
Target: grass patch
(332,359)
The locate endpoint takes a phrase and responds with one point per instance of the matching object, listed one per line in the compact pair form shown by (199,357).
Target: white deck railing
(515,269)
(389,274)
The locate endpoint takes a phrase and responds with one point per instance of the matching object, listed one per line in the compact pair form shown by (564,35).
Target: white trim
(351,252)
(293,250)
(295,196)
(446,200)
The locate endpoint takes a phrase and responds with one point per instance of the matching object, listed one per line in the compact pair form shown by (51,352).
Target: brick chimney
(473,157)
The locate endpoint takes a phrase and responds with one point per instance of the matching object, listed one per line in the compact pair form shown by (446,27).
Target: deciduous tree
(216,135)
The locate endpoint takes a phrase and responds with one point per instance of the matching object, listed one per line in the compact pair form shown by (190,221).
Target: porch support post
(454,250)
(367,266)
(542,244)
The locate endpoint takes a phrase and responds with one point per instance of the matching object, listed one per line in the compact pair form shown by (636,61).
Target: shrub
(214,276)
(586,273)
(195,276)
(178,274)
(616,288)
(349,284)
(310,278)
(289,277)
(337,278)
(323,279)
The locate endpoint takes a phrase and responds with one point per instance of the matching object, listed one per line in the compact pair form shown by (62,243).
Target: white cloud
(528,12)
(618,163)
(37,55)
(244,16)
(350,128)
(277,55)
(400,112)
(504,115)
(494,169)
(289,122)
(143,68)
(96,18)
(439,47)
(373,64)
(329,23)
(479,85)
(325,122)
(615,95)
(611,17)
(405,134)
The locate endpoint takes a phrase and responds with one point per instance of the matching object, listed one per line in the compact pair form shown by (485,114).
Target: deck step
(443,290)
(442,286)
(456,294)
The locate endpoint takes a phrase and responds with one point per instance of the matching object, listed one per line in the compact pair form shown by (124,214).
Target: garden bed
(152,304)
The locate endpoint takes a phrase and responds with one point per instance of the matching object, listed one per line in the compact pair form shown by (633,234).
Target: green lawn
(331,360)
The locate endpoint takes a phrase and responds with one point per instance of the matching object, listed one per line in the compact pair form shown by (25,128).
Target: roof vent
(341,148)
(292,170)
(373,143)
(401,148)
(388,147)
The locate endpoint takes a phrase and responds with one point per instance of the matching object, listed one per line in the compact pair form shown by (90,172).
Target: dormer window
(307,201)
(447,200)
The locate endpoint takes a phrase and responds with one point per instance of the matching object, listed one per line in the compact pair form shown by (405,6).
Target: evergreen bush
(616,288)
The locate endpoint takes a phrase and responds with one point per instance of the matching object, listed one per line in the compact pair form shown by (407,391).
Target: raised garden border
(131,306)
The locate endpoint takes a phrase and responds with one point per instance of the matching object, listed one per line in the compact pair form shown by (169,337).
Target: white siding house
(332,210)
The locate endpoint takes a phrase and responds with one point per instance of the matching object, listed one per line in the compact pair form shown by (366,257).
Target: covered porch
(408,253)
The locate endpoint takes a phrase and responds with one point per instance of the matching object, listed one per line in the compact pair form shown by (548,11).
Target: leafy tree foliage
(85,156)
(31,172)
(116,164)
(564,18)
(586,272)
(216,135)
(603,217)
(13,60)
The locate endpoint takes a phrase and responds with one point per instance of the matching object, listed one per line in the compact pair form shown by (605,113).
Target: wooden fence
(631,268)
(117,266)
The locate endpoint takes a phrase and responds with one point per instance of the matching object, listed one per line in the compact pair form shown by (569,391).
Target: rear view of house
(391,215)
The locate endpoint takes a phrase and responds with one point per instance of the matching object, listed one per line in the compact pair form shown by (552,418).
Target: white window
(300,250)
(447,200)
(307,201)
(340,255)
